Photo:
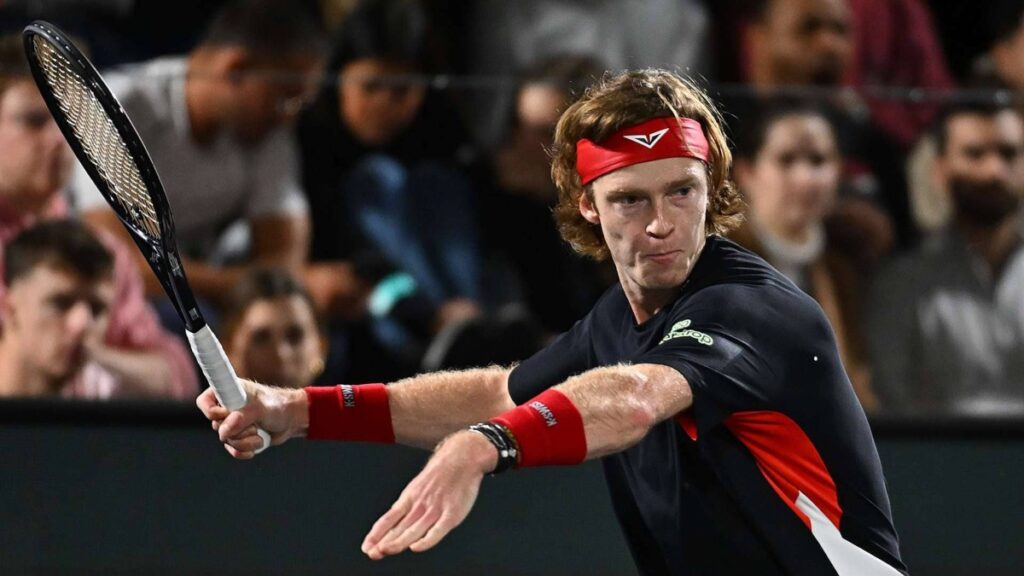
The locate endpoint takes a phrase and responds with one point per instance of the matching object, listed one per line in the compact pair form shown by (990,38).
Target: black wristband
(498,436)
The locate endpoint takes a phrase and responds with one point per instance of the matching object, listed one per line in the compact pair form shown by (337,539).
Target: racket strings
(97,135)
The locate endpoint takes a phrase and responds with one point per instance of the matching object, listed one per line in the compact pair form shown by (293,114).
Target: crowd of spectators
(361,187)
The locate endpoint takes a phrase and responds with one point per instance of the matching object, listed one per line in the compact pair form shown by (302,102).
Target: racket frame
(161,253)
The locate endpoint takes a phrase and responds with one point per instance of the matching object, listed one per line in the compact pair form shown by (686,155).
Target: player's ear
(588,209)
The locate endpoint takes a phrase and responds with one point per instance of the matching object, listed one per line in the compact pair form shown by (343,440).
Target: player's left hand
(437,500)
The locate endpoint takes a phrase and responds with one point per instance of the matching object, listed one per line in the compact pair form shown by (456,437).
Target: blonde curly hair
(623,100)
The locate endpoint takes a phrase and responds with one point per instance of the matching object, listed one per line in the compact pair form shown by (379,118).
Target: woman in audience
(789,169)
(271,330)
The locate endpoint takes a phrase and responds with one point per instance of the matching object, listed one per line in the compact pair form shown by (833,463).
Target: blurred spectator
(789,169)
(946,328)
(556,284)
(800,45)
(271,330)
(35,166)
(379,152)
(60,282)
(215,124)
(896,46)
(511,36)
(1001,66)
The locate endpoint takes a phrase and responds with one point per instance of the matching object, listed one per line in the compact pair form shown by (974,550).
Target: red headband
(654,139)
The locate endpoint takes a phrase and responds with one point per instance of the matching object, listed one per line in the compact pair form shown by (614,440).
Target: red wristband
(548,431)
(350,413)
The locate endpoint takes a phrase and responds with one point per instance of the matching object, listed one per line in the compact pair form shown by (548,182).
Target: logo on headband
(684,138)
(648,141)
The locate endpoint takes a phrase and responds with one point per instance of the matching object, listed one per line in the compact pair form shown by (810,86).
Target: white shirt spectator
(209,186)
(945,336)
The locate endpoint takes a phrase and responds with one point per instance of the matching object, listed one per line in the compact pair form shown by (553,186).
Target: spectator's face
(277,342)
(35,160)
(983,165)
(378,100)
(268,96)
(537,111)
(53,313)
(652,218)
(793,180)
(807,42)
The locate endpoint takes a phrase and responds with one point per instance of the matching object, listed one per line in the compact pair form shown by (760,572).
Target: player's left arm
(599,412)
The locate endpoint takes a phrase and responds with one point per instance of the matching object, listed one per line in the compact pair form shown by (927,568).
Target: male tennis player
(709,384)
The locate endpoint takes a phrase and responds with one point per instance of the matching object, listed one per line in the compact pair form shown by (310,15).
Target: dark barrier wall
(141,489)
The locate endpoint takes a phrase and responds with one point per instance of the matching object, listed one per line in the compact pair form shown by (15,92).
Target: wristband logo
(682,330)
(545,412)
(348,396)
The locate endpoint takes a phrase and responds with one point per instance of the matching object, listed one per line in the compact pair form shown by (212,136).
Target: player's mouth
(663,257)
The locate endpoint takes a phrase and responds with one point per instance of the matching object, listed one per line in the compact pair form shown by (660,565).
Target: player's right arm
(424,409)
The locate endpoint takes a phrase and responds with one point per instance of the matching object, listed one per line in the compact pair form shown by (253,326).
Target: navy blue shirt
(773,470)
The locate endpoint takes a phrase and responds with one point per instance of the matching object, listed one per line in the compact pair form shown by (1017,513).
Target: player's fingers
(413,532)
(250,443)
(239,454)
(439,530)
(208,405)
(234,424)
(384,524)
(416,512)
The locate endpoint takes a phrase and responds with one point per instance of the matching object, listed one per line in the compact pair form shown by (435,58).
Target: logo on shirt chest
(682,330)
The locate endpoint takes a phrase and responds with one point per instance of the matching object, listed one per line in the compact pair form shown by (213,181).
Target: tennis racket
(110,150)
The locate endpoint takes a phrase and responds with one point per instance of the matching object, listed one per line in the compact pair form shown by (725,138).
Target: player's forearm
(620,404)
(426,408)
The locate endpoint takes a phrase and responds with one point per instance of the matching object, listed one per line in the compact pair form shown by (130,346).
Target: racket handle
(220,374)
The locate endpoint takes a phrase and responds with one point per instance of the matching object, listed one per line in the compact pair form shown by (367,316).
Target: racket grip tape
(219,373)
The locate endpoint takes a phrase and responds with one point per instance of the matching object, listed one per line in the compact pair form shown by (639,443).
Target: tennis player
(708,383)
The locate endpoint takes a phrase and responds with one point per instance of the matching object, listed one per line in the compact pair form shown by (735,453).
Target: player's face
(794,178)
(378,99)
(277,342)
(809,41)
(35,160)
(983,165)
(652,217)
(53,313)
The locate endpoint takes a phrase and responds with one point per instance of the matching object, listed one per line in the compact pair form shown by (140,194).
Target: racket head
(112,153)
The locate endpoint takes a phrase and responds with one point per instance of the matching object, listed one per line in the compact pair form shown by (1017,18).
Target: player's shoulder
(731,285)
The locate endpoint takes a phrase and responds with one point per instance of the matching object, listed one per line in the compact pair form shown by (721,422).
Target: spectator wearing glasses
(35,166)
(215,123)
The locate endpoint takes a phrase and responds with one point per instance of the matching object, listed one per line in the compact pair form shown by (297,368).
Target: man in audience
(35,165)
(946,326)
(56,309)
(810,45)
(215,123)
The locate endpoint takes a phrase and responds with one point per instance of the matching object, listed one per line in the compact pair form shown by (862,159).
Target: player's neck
(16,377)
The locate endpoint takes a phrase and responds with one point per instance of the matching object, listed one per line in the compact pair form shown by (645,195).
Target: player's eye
(682,191)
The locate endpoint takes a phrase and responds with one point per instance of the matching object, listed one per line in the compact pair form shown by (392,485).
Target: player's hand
(437,500)
(282,413)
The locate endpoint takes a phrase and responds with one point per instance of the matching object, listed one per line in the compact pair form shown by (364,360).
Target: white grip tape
(219,373)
